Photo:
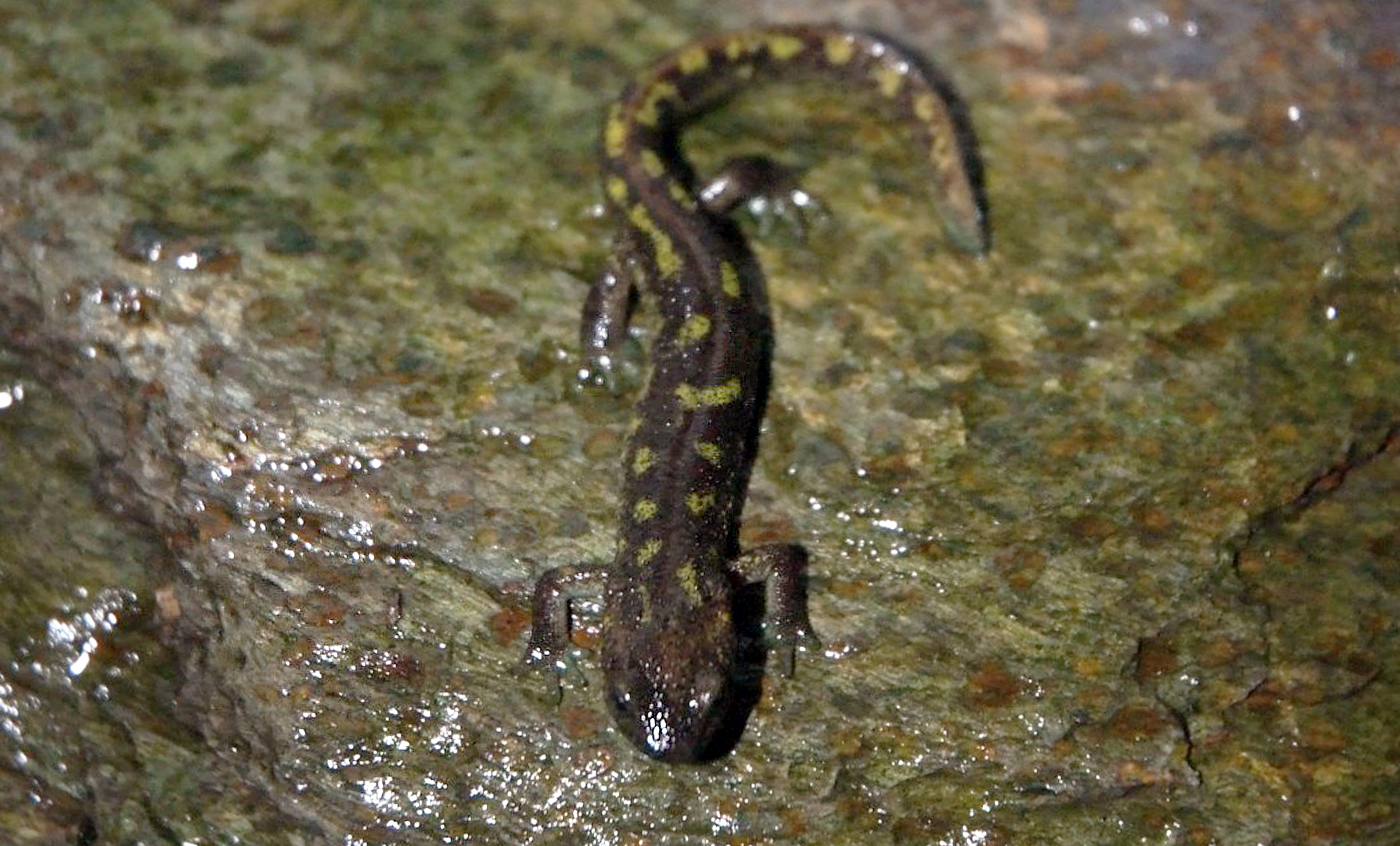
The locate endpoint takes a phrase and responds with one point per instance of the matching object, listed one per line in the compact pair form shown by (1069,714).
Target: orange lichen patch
(508,624)
(1150,518)
(992,686)
(1089,666)
(1134,773)
(1156,657)
(297,651)
(580,722)
(1284,433)
(1218,652)
(848,588)
(1020,567)
(212,522)
(846,740)
(1220,490)
(586,637)
(385,666)
(1073,444)
(597,760)
(1381,59)
(1384,544)
(324,611)
(1140,722)
(1096,697)
(1195,277)
(602,443)
(1207,334)
(794,821)
(301,693)
(489,302)
(168,602)
(767,527)
(1267,695)
(1323,736)
(453,500)
(1092,527)
(1337,643)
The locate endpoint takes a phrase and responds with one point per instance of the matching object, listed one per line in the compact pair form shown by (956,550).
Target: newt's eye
(620,701)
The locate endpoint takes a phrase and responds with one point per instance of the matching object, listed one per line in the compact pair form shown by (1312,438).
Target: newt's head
(671,687)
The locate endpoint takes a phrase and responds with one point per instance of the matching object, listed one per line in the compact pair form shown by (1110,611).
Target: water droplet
(1332,269)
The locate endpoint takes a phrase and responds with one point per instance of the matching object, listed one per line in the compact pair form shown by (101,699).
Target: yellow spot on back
(729,279)
(700,502)
(694,328)
(652,164)
(690,583)
(735,47)
(693,60)
(642,460)
(649,112)
(721,394)
(663,251)
(643,510)
(647,551)
(888,78)
(710,396)
(617,189)
(839,49)
(614,132)
(784,47)
(679,194)
(940,155)
(924,107)
(710,451)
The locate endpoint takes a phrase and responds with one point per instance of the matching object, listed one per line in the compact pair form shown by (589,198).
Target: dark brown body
(669,644)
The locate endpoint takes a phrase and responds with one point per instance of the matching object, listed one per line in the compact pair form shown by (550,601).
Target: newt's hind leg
(607,310)
(767,188)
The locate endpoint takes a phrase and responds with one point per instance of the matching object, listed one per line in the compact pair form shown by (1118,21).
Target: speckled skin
(669,647)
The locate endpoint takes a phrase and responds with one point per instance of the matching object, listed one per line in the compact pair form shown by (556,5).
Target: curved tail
(641,129)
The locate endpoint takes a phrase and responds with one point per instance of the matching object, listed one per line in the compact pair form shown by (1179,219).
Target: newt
(669,649)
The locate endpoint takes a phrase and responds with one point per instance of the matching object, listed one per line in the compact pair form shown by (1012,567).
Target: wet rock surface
(1104,527)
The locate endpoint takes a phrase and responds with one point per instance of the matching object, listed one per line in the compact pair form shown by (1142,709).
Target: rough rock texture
(1104,527)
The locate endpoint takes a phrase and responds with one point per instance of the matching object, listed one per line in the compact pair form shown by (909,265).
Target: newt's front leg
(548,647)
(782,567)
